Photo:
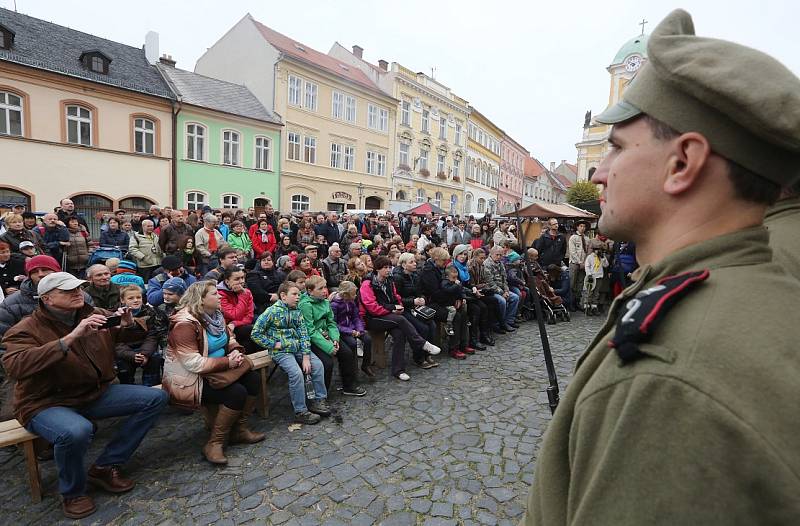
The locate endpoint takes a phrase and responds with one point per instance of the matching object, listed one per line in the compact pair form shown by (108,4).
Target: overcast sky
(532,67)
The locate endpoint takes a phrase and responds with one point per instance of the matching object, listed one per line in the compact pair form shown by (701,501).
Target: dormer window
(6,37)
(96,61)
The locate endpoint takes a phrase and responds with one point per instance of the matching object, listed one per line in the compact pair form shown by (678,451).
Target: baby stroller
(553,307)
(103,253)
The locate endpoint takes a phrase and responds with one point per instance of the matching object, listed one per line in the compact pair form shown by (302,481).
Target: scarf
(212,243)
(264,236)
(215,325)
(463,272)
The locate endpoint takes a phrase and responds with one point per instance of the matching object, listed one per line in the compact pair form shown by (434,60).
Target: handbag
(182,386)
(222,379)
(424,312)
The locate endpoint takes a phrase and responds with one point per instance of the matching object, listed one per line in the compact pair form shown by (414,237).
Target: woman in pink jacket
(236,303)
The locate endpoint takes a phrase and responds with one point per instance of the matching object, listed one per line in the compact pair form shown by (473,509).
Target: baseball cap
(25,244)
(60,281)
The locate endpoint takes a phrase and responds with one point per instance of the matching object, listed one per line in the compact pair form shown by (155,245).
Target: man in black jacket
(552,245)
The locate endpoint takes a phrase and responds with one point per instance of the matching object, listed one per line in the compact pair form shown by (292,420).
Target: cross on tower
(642,23)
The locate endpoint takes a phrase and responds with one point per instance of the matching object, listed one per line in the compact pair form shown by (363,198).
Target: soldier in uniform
(783,222)
(684,408)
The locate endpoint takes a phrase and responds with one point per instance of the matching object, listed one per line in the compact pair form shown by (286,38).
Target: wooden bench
(261,362)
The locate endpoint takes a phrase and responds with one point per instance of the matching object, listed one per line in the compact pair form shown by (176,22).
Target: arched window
(195,200)
(400,196)
(10,197)
(91,207)
(437,199)
(79,125)
(10,114)
(481,205)
(136,203)
(195,142)
(300,203)
(230,148)
(468,203)
(144,136)
(420,195)
(231,201)
(263,153)
(372,203)
(453,203)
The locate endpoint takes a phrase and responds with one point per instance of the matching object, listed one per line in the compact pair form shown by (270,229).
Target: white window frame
(295,88)
(420,197)
(371,162)
(300,203)
(294,149)
(458,135)
(145,132)
(263,153)
(195,202)
(195,139)
(443,128)
(79,121)
(226,201)
(6,107)
(336,155)
(310,95)
(437,199)
(440,162)
(456,167)
(404,154)
(349,158)
(405,113)
(337,105)
(310,150)
(350,106)
(381,166)
(231,147)
(383,120)
(481,205)
(423,159)
(426,121)
(372,116)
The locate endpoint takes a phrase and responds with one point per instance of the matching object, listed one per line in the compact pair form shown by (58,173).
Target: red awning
(551,210)
(424,209)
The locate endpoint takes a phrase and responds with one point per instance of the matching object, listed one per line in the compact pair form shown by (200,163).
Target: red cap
(42,262)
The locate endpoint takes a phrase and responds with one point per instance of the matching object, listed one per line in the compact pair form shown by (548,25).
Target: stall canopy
(424,209)
(551,210)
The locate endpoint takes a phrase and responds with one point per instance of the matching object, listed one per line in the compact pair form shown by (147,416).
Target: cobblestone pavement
(455,445)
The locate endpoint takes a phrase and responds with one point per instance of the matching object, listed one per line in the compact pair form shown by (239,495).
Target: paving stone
(501,494)
(442,509)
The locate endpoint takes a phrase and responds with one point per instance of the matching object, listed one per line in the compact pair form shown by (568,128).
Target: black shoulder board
(647,309)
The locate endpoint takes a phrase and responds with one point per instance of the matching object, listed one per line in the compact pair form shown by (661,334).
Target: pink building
(512,172)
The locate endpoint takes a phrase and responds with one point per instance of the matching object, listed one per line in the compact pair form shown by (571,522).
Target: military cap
(746,103)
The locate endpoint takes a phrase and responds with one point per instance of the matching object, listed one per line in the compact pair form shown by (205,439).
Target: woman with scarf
(263,239)
(77,252)
(236,303)
(200,346)
(304,264)
(305,234)
(16,233)
(479,329)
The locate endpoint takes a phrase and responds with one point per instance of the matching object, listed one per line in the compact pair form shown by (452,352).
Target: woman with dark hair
(263,281)
(77,252)
(479,329)
(236,303)
(114,236)
(383,311)
(263,239)
(189,255)
(406,283)
(305,234)
(304,264)
(285,247)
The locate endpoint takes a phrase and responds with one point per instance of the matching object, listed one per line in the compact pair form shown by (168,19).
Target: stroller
(553,307)
(103,253)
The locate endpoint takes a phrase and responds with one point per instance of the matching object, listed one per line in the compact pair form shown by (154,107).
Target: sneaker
(468,350)
(403,376)
(509,328)
(424,364)
(458,355)
(431,348)
(354,391)
(449,330)
(431,361)
(320,407)
(307,417)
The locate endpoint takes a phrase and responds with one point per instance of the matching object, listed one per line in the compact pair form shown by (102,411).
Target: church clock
(633,63)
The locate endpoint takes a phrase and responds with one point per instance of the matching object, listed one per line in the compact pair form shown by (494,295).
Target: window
(98,65)
(404,150)
(300,203)
(6,38)
(350,108)
(426,125)
(195,200)
(420,195)
(230,148)
(381,164)
(468,203)
(10,113)
(458,135)
(310,101)
(349,158)
(423,159)
(294,90)
(401,196)
(437,199)
(371,163)
(144,136)
(372,117)
(263,153)
(456,167)
(230,201)
(405,113)
(481,205)
(293,140)
(453,203)
(310,150)
(337,106)
(383,119)
(336,155)
(377,118)
(443,128)
(440,164)
(79,125)
(195,142)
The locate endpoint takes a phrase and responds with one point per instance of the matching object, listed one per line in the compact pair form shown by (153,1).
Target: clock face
(633,63)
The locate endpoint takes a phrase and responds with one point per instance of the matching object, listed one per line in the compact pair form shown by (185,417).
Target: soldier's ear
(688,157)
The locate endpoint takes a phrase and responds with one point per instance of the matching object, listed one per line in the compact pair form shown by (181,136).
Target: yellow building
(594,145)
(483,165)
(338,138)
(429,136)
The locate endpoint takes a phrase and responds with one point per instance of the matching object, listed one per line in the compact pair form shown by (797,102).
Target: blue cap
(175,285)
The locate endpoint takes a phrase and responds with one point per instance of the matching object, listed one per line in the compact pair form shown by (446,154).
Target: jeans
(348,362)
(290,363)
(71,431)
(508,307)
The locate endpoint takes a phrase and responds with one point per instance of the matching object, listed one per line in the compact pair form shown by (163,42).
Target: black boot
(475,344)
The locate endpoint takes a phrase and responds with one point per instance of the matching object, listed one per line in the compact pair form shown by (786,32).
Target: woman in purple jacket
(351,326)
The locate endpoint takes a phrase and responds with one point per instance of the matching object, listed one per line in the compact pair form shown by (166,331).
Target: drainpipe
(176,109)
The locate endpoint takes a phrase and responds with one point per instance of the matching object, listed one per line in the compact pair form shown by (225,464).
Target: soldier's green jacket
(783,223)
(705,428)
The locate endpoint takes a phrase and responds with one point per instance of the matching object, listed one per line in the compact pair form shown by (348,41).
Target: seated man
(282,330)
(63,362)
(509,301)
(104,293)
(171,267)
(227,259)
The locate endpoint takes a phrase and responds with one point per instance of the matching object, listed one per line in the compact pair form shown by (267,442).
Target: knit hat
(282,261)
(126,265)
(460,249)
(513,257)
(176,285)
(42,262)
(171,263)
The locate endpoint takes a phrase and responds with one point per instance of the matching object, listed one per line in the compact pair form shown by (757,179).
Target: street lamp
(360,194)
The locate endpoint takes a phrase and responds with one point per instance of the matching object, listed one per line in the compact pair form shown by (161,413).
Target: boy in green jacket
(324,335)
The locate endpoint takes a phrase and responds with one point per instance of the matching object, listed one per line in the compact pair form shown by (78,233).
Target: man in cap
(62,357)
(576,252)
(334,269)
(680,412)
(171,267)
(104,293)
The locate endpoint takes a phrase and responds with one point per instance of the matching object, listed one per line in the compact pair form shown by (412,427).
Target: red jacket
(376,300)
(237,308)
(259,247)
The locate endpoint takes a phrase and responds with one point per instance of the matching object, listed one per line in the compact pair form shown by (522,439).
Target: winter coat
(376,298)
(347,316)
(78,250)
(436,288)
(496,275)
(22,303)
(330,231)
(201,241)
(171,237)
(259,245)
(145,250)
(115,238)
(15,238)
(551,249)
(262,283)
(334,272)
(407,286)
(147,344)
(279,323)
(236,307)
(105,298)
(240,241)
(321,325)
(46,376)
(155,294)
(14,267)
(52,238)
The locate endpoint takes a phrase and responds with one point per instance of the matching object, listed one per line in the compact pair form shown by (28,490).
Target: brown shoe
(110,479)
(209,413)
(213,450)
(240,434)
(78,507)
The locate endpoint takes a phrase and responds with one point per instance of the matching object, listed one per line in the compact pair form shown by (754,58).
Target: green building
(227,145)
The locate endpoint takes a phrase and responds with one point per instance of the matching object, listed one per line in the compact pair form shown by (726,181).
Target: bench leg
(33,471)
(262,407)
(378,349)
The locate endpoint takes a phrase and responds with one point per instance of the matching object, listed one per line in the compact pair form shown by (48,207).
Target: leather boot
(240,434)
(213,450)
(209,413)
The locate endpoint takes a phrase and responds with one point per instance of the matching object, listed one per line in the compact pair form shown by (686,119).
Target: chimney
(563,161)
(151,47)
(167,60)
(383,65)
(358,51)
(552,166)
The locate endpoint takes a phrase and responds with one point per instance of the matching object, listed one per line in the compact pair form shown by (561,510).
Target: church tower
(593,146)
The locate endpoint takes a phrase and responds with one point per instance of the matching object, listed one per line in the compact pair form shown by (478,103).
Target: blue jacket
(155,296)
(117,238)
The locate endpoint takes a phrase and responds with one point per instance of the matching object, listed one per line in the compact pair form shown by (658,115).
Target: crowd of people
(182,301)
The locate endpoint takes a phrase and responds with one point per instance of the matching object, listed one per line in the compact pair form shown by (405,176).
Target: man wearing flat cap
(61,359)
(684,408)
